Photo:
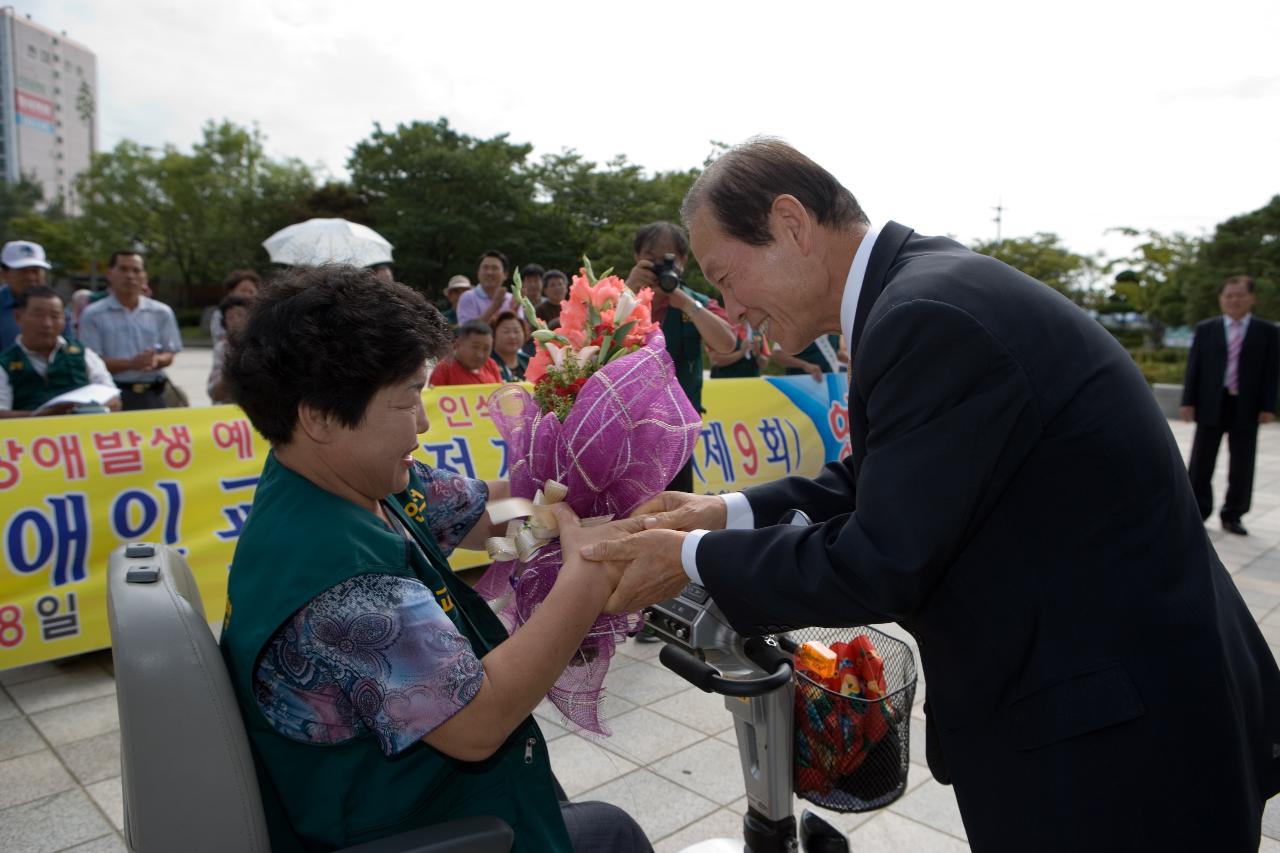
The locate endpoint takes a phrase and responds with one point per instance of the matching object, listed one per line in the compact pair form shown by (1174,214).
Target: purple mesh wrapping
(630,430)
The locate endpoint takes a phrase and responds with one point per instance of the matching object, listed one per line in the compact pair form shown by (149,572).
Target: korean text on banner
(72,489)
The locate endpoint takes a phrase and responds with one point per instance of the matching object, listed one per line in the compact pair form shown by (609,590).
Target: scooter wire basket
(852,751)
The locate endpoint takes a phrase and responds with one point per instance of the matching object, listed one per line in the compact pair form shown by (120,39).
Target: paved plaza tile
(672,762)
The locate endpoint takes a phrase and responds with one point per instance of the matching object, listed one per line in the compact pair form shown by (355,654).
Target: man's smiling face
(763,285)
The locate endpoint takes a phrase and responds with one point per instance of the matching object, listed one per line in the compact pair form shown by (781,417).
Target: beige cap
(458,282)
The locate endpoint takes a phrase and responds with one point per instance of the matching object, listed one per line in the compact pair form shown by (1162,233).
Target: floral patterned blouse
(376,652)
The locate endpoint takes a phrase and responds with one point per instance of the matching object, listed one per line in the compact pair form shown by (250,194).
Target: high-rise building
(48,106)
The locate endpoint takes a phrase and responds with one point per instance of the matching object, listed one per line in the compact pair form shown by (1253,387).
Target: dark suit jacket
(1207,366)
(1016,500)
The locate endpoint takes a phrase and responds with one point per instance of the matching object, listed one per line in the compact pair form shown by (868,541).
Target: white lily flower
(557,354)
(586,355)
(626,304)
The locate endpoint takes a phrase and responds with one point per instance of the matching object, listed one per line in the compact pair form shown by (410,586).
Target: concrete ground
(672,761)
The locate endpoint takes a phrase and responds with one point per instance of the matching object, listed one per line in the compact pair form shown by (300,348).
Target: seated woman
(509,335)
(379,692)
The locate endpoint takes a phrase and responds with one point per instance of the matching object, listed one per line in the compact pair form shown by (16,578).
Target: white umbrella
(328,241)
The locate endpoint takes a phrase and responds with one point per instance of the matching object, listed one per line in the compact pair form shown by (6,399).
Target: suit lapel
(1252,337)
(886,249)
(883,253)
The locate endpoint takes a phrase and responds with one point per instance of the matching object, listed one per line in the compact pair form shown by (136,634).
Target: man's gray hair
(742,183)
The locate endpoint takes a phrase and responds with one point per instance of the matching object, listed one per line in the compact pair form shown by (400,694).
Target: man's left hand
(651,567)
(57,409)
(1266,417)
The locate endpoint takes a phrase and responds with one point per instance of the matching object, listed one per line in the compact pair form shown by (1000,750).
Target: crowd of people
(134,336)
(119,338)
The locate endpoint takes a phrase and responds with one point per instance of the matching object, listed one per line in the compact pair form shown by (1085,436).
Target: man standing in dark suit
(1232,373)
(1014,498)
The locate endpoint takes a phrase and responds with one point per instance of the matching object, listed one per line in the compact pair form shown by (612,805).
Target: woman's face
(374,457)
(246,288)
(509,336)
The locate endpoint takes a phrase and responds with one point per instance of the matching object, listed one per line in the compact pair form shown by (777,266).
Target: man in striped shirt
(1232,375)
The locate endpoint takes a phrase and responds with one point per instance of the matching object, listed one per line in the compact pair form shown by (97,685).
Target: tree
(1044,258)
(195,215)
(599,210)
(23,218)
(333,200)
(442,197)
(1153,278)
(1248,244)
(18,199)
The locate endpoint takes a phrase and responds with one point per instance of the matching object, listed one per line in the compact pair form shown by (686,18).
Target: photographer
(688,318)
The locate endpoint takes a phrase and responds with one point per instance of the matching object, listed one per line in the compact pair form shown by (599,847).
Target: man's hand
(574,539)
(1187,413)
(64,408)
(814,371)
(1266,417)
(649,563)
(642,276)
(683,511)
(144,361)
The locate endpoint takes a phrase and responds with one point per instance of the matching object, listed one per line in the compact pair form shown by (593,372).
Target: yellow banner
(72,489)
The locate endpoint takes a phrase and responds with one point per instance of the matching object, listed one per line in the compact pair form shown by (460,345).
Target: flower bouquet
(609,425)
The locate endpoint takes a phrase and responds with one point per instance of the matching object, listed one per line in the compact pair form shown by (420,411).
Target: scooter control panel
(691,620)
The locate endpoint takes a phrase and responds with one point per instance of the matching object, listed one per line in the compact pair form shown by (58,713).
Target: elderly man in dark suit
(1014,499)
(1230,388)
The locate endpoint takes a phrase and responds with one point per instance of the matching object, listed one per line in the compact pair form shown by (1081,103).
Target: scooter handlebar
(708,679)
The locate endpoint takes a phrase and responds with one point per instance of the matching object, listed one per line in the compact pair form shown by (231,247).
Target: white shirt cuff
(739,515)
(689,555)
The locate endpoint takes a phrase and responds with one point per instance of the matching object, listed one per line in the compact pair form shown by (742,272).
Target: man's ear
(790,222)
(316,425)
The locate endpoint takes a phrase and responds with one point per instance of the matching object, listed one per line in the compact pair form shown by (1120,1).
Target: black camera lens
(668,277)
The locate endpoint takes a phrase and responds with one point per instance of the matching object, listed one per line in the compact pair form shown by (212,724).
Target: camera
(668,275)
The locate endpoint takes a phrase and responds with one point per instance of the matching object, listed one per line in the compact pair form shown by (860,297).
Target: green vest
(299,541)
(684,345)
(66,372)
(744,368)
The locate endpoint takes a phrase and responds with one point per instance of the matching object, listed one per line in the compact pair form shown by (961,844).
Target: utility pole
(999,217)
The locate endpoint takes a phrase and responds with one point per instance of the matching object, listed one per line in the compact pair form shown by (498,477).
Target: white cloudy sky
(1081,116)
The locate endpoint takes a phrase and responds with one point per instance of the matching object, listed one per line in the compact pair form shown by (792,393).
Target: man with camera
(661,250)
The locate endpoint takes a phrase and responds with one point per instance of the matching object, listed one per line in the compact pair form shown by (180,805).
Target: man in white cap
(453,291)
(22,266)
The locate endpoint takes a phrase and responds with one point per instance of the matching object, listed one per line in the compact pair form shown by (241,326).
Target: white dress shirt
(738,509)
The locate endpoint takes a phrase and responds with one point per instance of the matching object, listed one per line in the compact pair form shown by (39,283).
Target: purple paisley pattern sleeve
(454,504)
(376,653)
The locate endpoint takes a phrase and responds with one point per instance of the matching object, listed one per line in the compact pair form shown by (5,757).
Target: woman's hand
(574,537)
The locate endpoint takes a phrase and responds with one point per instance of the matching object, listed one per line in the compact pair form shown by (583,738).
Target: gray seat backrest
(188,775)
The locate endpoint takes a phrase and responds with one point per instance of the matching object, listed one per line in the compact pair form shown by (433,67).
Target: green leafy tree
(1044,258)
(1248,244)
(598,210)
(1153,278)
(442,197)
(196,215)
(332,200)
(18,200)
(22,217)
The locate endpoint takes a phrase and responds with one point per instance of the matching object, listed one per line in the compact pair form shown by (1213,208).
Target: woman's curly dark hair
(330,337)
